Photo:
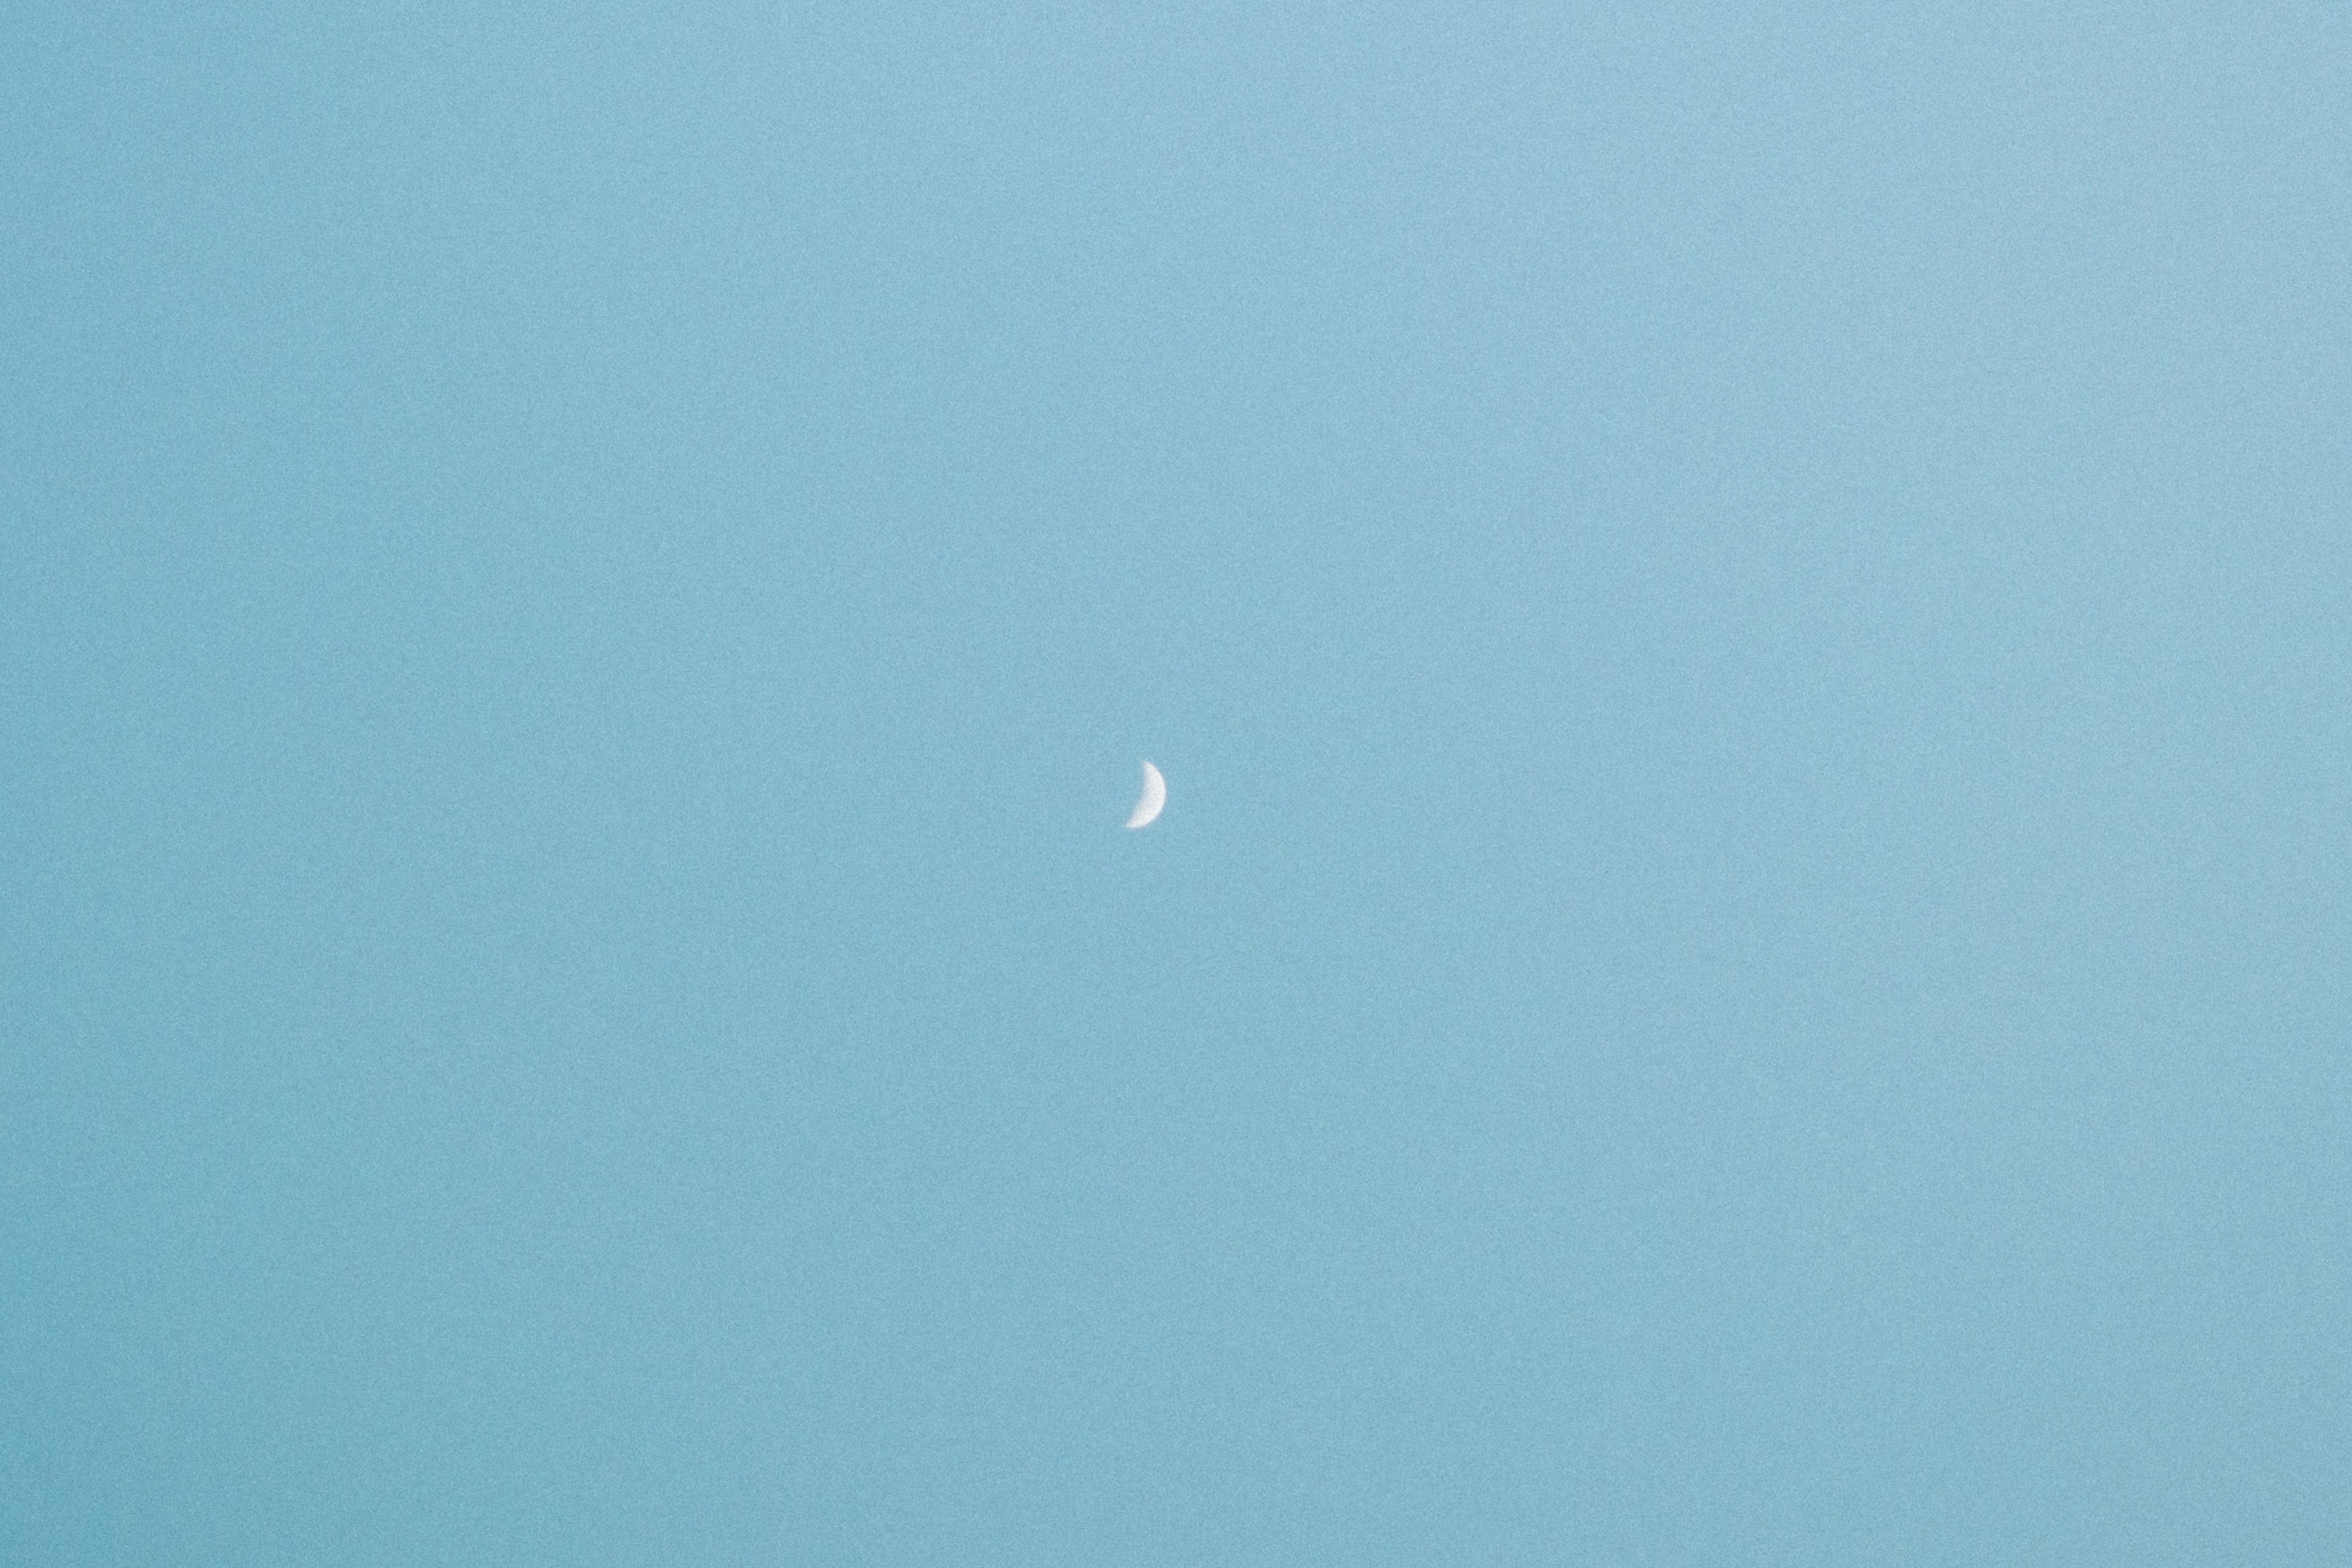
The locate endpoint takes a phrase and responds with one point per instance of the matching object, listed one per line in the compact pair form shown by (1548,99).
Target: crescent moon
(1154,797)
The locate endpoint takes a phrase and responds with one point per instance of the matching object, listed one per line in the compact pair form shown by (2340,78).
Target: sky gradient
(1747,617)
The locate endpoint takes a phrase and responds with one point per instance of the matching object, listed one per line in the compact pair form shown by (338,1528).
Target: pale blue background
(1748,611)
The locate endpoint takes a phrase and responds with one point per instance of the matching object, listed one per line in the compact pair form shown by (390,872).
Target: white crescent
(1154,797)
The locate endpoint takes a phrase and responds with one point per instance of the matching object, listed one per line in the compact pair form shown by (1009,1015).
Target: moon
(1154,797)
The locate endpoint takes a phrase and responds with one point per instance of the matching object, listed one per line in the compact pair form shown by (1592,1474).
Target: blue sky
(1745,614)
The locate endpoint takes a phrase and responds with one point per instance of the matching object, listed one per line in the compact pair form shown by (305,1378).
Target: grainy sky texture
(1748,615)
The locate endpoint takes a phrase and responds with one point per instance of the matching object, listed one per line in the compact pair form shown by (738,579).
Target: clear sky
(1748,611)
